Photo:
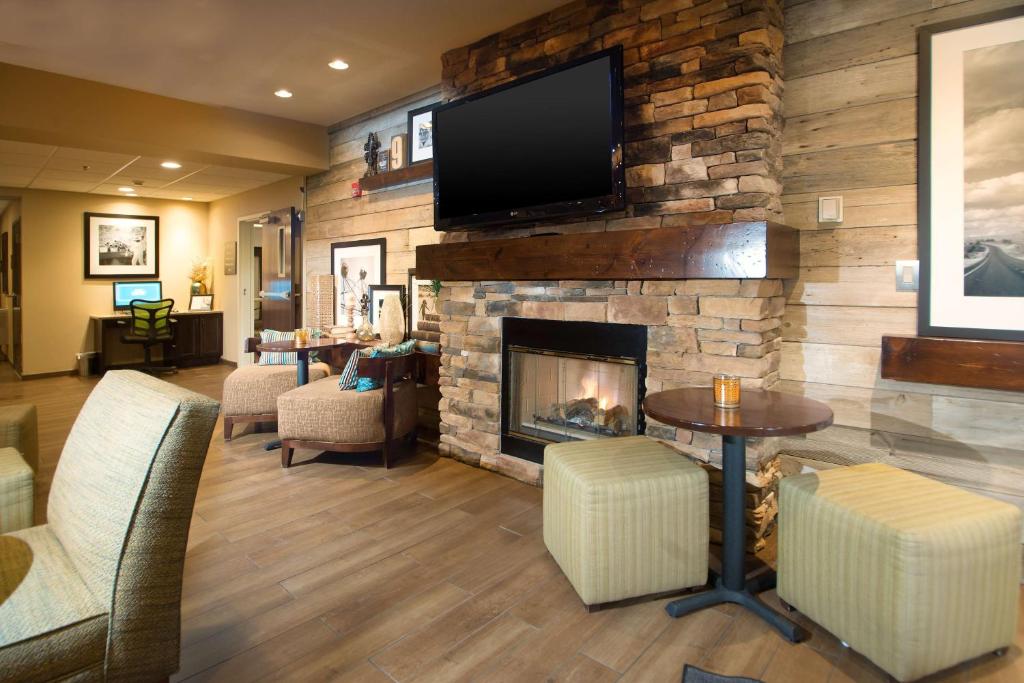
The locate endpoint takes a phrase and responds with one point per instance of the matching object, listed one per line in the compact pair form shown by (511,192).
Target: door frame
(245,294)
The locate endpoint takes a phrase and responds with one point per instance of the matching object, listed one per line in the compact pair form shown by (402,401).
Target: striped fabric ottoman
(625,517)
(15,492)
(915,575)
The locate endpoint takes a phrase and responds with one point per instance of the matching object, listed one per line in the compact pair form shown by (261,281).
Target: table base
(272,445)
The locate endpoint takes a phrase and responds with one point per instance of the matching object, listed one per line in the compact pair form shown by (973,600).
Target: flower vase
(392,321)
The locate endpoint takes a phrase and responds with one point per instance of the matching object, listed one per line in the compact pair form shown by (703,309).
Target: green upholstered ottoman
(625,517)
(16,491)
(915,575)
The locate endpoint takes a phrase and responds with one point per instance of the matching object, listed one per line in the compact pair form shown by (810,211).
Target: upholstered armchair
(95,593)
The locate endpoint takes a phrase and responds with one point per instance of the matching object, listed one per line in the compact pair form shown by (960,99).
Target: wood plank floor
(432,571)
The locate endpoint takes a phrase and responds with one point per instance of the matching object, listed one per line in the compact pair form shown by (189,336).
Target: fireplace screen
(566,397)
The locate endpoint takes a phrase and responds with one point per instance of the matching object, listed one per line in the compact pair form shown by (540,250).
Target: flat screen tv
(544,146)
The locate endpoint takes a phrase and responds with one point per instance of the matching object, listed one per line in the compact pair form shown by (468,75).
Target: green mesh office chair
(152,324)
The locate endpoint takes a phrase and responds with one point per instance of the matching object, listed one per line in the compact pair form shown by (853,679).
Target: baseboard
(231,363)
(47,375)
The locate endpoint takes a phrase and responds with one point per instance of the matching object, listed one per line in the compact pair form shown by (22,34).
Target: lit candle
(727,391)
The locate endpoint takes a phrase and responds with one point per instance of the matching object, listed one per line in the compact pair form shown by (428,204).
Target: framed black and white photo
(355,266)
(421,134)
(201,302)
(378,293)
(971,177)
(121,246)
(422,301)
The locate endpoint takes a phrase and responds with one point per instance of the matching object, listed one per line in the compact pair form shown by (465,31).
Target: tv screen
(125,292)
(545,146)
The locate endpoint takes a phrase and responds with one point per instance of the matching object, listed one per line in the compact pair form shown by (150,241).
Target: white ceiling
(236,53)
(45,167)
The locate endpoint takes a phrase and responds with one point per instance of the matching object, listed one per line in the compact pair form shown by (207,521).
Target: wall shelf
(400,176)
(753,250)
(961,362)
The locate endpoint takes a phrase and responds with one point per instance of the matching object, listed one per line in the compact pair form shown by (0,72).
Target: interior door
(16,295)
(278,292)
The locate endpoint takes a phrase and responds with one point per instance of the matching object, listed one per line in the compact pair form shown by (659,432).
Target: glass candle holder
(301,337)
(727,391)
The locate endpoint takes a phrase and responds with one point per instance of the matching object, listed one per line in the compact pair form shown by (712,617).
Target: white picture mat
(149,268)
(416,152)
(948,305)
(366,257)
(414,300)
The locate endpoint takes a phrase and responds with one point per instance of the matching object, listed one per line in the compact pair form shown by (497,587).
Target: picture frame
(356,265)
(383,157)
(421,300)
(377,295)
(420,134)
(121,246)
(970,199)
(200,302)
(231,258)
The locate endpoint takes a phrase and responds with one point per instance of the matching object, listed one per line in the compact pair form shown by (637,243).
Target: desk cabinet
(198,340)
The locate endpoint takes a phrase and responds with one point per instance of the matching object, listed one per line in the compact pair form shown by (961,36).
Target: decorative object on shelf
(727,391)
(321,300)
(199,274)
(421,133)
(357,190)
(398,151)
(370,150)
(382,161)
(355,265)
(200,302)
(121,246)
(231,258)
(970,210)
(365,330)
(378,293)
(392,321)
(422,301)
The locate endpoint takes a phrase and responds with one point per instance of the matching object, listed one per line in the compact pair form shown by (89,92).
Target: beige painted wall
(57,300)
(850,103)
(10,214)
(223,222)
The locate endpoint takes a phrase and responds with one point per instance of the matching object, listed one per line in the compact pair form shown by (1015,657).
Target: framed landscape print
(421,134)
(971,177)
(121,246)
(355,265)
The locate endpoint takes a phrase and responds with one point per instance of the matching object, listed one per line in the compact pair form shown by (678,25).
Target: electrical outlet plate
(907,276)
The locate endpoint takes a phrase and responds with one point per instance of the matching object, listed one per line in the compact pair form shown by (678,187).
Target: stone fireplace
(569,380)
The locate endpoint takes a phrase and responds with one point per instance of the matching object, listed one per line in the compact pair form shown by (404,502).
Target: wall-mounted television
(545,146)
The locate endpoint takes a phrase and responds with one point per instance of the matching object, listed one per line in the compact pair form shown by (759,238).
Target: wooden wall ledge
(722,251)
(960,362)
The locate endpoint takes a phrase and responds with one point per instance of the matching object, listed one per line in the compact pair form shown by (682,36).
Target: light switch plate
(830,209)
(907,276)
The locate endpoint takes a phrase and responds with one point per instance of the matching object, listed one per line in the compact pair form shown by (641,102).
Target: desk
(198,340)
(761,413)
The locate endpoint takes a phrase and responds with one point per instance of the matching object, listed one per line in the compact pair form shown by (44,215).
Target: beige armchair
(95,593)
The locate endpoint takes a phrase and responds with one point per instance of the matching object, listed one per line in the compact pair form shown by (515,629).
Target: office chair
(152,324)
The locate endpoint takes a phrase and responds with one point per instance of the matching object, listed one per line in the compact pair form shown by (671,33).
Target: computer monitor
(126,292)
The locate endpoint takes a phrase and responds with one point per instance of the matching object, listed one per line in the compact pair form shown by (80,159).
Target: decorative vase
(392,321)
(195,288)
(365,331)
(203,289)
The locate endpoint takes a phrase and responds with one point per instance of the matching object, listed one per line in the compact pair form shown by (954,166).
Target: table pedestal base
(732,585)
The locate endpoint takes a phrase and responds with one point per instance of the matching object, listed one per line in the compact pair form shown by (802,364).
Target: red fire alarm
(356,190)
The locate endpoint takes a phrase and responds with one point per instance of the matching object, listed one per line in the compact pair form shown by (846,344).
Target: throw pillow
(281,357)
(350,376)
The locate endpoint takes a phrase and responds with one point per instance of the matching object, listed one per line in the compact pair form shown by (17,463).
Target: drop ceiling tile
(90,176)
(10,180)
(25,148)
(75,165)
(63,185)
(88,156)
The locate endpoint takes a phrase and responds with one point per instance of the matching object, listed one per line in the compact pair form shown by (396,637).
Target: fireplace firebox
(569,381)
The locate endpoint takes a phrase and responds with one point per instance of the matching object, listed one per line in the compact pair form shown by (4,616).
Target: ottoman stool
(251,391)
(19,429)
(15,492)
(915,575)
(625,517)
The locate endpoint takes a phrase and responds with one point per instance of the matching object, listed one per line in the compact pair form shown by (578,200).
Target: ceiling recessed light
(171,164)
(126,189)
(283,93)
(338,64)
(187,199)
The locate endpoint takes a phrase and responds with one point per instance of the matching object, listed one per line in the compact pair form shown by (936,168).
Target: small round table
(761,413)
(302,357)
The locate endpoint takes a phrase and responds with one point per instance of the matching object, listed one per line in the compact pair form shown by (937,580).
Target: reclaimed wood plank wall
(850,103)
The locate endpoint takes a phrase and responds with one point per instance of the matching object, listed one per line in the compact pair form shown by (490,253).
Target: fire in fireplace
(565,381)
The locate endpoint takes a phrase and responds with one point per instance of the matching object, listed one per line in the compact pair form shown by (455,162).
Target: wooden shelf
(730,250)
(400,176)
(961,362)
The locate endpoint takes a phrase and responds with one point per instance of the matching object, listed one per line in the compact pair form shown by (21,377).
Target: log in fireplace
(566,381)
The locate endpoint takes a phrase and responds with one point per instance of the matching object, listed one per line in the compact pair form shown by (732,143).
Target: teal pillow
(280,357)
(369,384)
(350,375)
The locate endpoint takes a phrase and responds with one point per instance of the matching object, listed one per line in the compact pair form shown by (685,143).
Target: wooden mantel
(722,251)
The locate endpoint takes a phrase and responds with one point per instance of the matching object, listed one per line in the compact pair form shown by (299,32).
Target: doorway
(10,282)
(269,273)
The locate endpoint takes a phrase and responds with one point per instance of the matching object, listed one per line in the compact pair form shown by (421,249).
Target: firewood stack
(761,503)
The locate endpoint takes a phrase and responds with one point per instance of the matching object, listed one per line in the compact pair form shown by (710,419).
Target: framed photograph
(971,177)
(355,266)
(378,293)
(201,302)
(421,134)
(382,161)
(422,301)
(121,246)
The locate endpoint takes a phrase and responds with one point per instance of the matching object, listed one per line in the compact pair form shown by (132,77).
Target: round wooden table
(761,413)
